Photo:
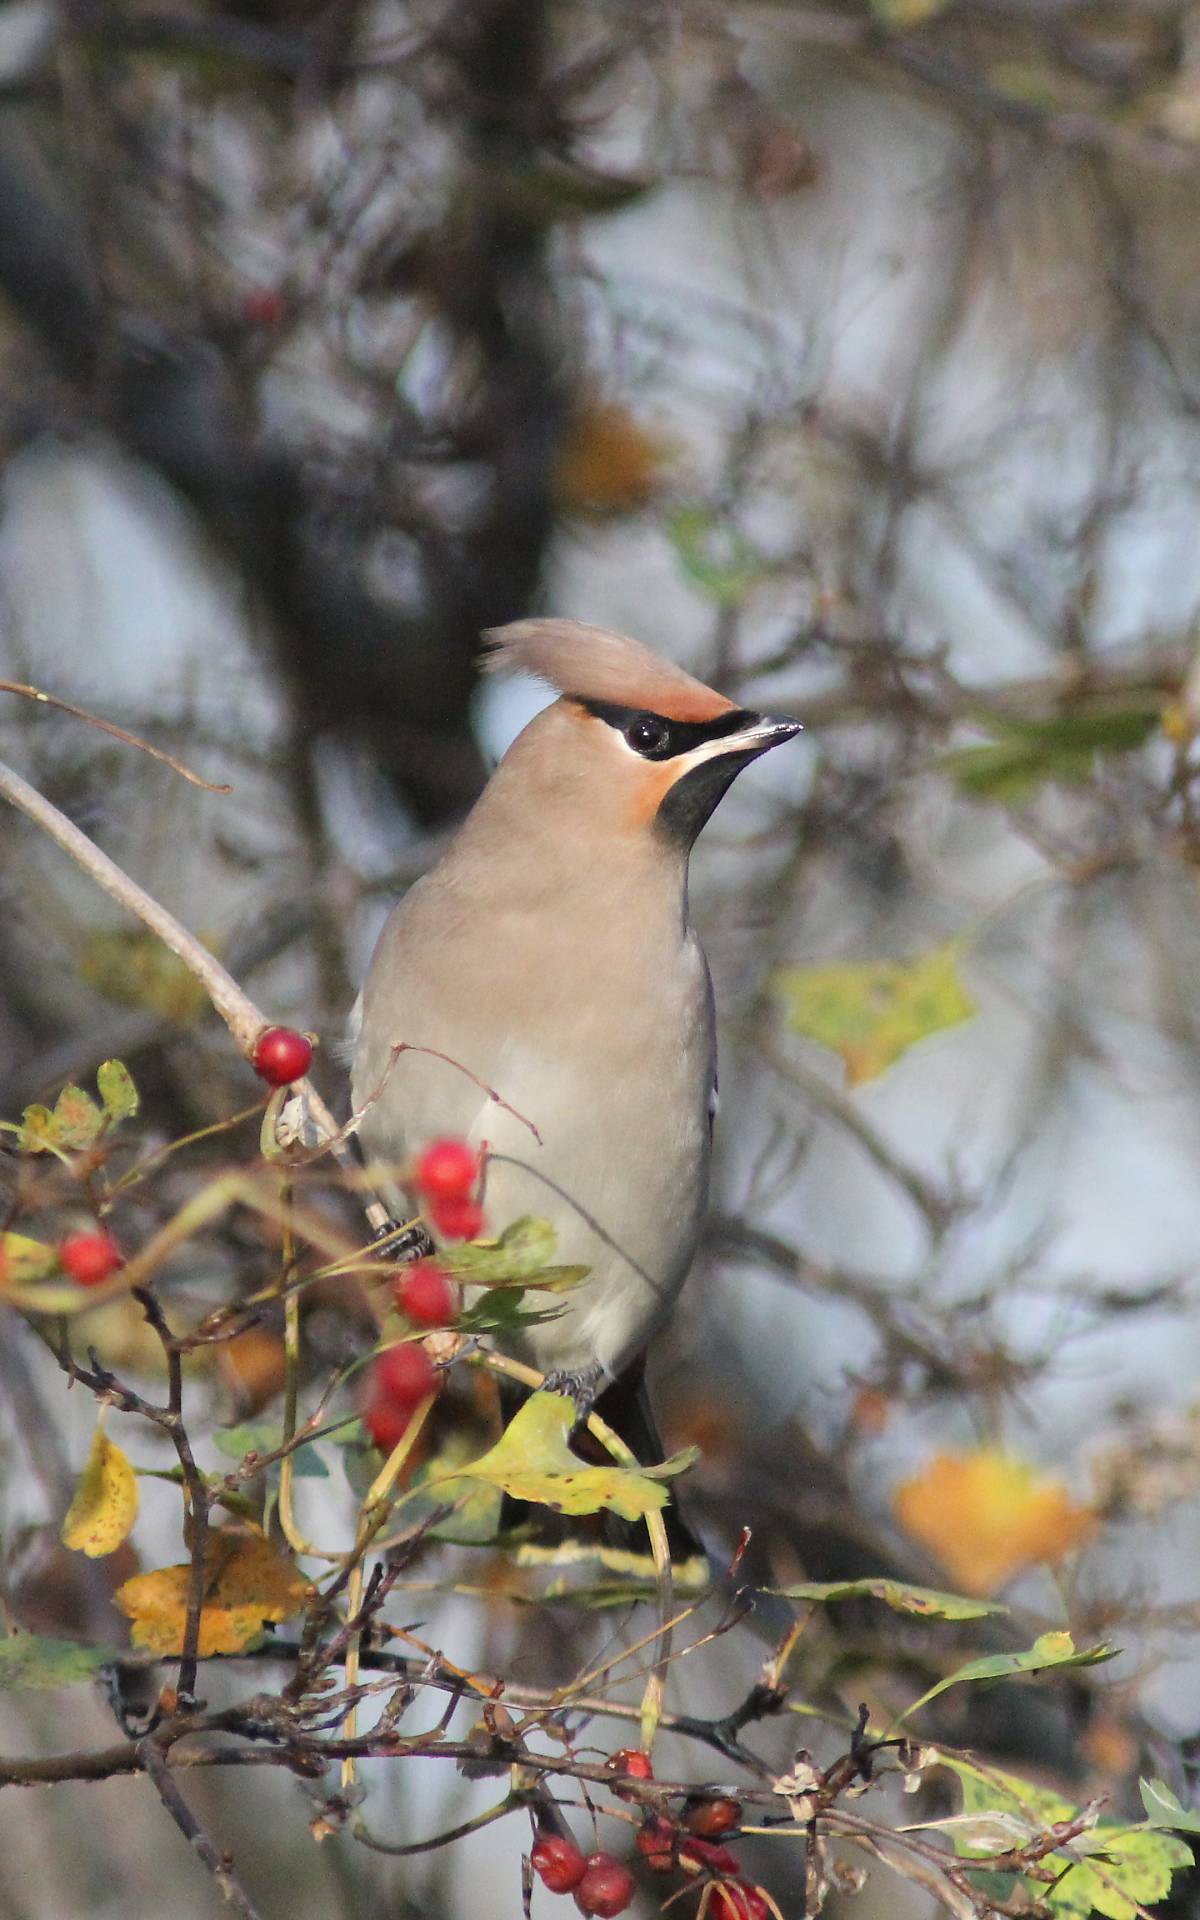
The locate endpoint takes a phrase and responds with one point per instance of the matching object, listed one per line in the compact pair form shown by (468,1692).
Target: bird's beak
(764,731)
(708,770)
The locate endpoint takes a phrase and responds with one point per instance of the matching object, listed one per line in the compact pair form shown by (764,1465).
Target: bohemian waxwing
(548,956)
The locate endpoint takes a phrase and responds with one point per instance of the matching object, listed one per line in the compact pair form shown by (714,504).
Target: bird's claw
(407,1243)
(581,1385)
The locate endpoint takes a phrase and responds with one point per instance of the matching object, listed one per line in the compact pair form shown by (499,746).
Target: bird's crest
(590,663)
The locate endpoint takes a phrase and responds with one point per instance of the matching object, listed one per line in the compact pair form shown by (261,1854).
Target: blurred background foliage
(849,353)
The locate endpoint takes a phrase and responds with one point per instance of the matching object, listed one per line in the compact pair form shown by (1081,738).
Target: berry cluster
(602,1885)
(692,1845)
(446,1176)
(689,1844)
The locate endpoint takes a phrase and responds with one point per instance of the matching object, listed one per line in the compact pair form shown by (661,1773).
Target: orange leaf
(248,1582)
(608,463)
(985,1515)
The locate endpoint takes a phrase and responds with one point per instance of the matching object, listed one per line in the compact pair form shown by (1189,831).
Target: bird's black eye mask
(655,737)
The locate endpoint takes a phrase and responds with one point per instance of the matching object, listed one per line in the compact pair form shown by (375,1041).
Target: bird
(554,1004)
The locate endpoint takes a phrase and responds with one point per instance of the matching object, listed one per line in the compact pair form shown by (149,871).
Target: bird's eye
(647,733)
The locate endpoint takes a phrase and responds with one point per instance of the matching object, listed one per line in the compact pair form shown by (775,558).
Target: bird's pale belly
(620,1171)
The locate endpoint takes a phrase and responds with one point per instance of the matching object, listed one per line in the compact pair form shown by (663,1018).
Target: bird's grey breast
(598,1040)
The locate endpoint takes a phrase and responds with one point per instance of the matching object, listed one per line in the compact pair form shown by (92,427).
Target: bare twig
(118,733)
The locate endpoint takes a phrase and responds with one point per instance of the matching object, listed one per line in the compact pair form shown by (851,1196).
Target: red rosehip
(281,1056)
(708,1853)
(606,1887)
(557,1862)
(447,1170)
(457,1219)
(656,1844)
(737,1900)
(387,1422)
(711,1818)
(631,1760)
(404,1375)
(426,1295)
(89,1258)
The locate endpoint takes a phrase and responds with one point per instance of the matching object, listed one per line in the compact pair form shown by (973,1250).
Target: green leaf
(77,1119)
(903,15)
(521,1256)
(1029,753)
(27,1660)
(1109,1868)
(871,1012)
(236,1442)
(1163,1808)
(925,1601)
(117,1091)
(74,1124)
(476,1517)
(532,1461)
(1049,1652)
(716,558)
(502,1310)
(1129,1869)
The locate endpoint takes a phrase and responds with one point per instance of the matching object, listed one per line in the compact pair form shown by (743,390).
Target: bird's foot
(402,1243)
(582,1385)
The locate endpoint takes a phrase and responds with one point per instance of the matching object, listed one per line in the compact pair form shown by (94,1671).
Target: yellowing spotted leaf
(532,1461)
(106,1501)
(248,1582)
(135,969)
(985,1515)
(871,1012)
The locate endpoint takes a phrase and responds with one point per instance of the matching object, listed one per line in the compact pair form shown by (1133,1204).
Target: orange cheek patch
(652,789)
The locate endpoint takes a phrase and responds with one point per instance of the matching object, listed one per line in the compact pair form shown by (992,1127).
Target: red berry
(606,1887)
(447,1170)
(89,1258)
(281,1056)
(737,1900)
(387,1422)
(656,1844)
(405,1375)
(426,1295)
(262,307)
(708,1853)
(631,1760)
(711,1818)
(557,1862)
(457,1219)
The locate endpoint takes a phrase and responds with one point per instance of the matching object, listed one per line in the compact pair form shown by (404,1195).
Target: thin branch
(154,1763)
(244,1020)
(118,733)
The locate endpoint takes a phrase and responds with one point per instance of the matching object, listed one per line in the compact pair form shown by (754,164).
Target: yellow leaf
(135,969)
(873,1011)
(106,1501)
(985,1515)
(532,1461)
(248,1582)
(23,1260)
